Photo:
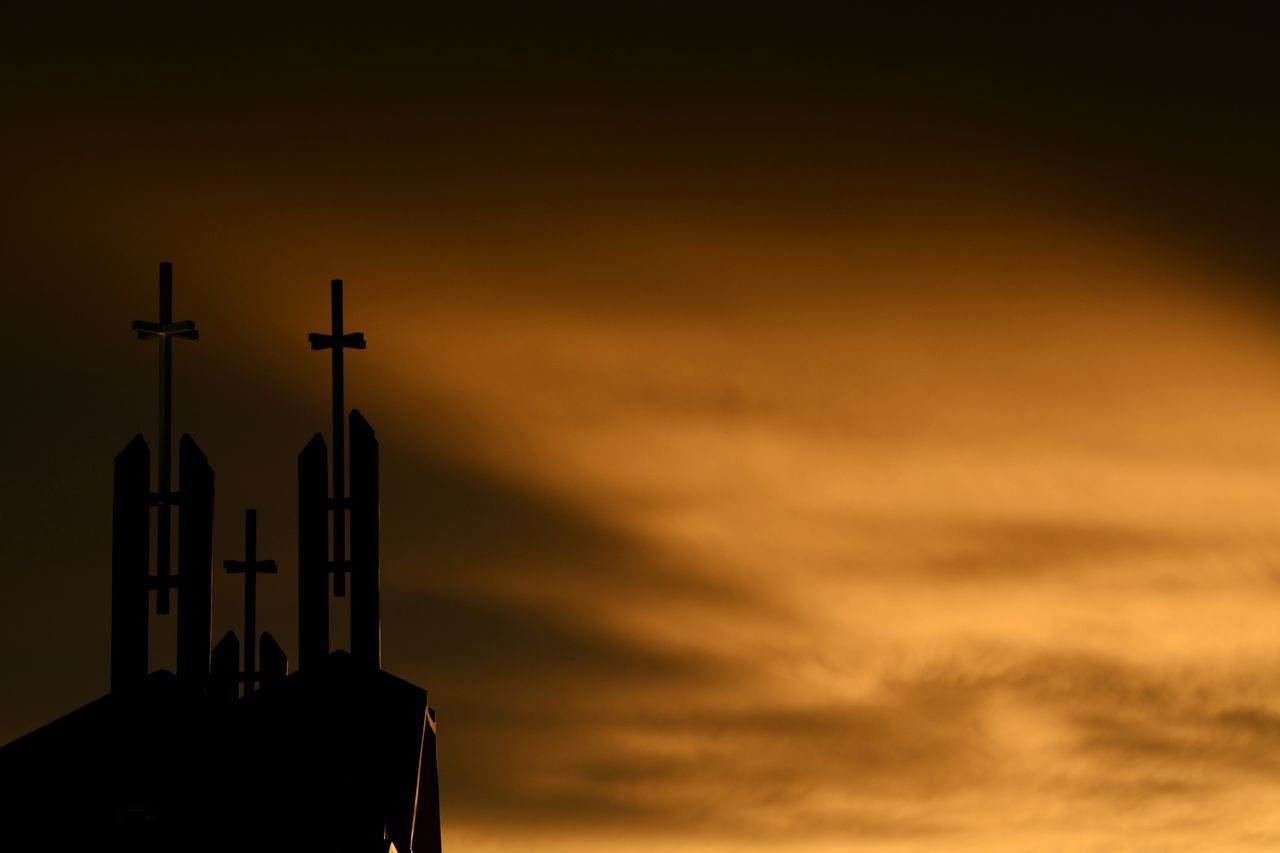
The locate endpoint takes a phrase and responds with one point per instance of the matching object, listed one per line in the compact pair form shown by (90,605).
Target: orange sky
(809,489)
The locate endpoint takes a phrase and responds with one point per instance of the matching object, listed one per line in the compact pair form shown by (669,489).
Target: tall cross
(250,567)
(338,341)
(164,497)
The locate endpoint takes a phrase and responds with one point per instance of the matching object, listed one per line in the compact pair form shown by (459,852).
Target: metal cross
(164,497)
(338,341)
(250,567)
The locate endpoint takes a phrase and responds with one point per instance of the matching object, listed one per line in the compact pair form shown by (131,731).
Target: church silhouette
(233,752)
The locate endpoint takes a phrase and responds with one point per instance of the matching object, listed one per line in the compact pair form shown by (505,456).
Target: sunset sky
(798,433)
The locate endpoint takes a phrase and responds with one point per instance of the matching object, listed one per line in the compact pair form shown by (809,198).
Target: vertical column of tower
(313,553)
(195,562)
(130,558)
(366,632)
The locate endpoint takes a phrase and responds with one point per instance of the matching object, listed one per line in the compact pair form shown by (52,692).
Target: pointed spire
(132,580)
(250,567)
(354,517)
(337,341)
(165,330)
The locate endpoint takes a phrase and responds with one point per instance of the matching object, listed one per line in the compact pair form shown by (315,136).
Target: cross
(164,497)
(338,341)
(250,567)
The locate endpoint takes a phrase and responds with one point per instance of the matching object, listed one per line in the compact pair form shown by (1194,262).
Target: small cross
(250,567)
(164,498)
(338,341)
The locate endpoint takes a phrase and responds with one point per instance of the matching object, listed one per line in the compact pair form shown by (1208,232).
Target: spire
(250,567)
(337,341)
(132,580)
(316,508)
(165,331)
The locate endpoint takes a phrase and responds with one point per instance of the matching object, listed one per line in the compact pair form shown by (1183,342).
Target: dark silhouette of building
(234,752)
